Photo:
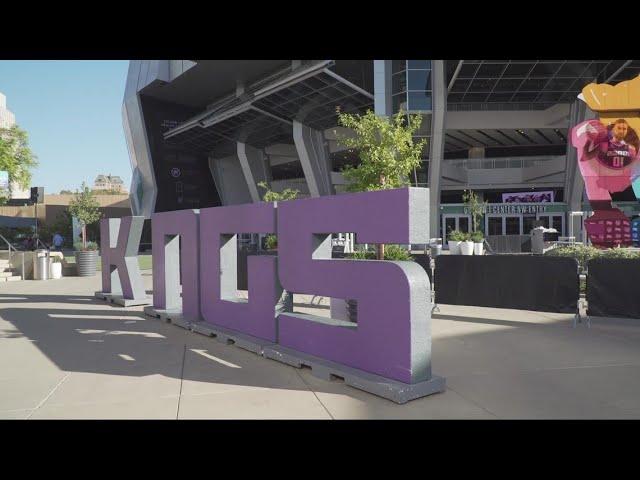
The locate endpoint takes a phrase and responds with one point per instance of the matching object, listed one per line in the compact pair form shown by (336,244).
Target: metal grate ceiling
(266,119)
(539,83)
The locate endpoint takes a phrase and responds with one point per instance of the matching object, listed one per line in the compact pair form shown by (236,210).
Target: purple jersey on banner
(616,155)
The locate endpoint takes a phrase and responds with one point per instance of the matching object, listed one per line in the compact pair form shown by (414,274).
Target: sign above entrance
(527,197)
(494,208)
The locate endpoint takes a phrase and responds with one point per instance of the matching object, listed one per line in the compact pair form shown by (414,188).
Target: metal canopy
(528,84)
(465,139)
(264,114)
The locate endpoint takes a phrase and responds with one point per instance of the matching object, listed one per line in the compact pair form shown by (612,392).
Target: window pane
(495,225)
(464,224)
(512,225)
(419,101)
(557,223)
(527,224)
(400,101)
(420,64)
(419,80)
(449,224)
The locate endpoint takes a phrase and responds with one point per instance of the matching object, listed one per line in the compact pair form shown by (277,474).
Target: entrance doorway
(510,224)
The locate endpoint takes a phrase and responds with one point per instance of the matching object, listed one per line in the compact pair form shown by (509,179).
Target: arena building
(204,132)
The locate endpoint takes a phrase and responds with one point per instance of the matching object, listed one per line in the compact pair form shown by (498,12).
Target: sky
(72,113)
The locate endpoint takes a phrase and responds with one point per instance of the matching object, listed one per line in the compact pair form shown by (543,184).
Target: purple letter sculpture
(390,346)
(221,308)
(121,279)
(170,230)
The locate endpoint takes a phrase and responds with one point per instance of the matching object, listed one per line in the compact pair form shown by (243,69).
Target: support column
(574,183)
(254,168)
(314,159)
(436,144)
(229,180)
(382,87)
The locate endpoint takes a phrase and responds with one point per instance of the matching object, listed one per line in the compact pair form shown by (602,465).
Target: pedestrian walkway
(64,354)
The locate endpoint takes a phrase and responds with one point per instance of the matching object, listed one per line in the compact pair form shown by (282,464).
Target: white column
(436,144)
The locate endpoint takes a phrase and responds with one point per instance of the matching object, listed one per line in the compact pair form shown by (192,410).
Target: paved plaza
(66,355)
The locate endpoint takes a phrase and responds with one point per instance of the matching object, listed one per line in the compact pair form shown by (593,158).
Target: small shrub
(91,246)
(271,242)
(362,255)
(620,253)
(391,253)
(397,253)
(477,237)
(583,253)
(456,236)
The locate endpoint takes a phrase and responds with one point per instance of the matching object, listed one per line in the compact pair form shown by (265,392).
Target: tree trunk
(380,250)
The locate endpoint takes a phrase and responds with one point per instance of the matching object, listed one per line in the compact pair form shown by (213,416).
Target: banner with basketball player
(608,157)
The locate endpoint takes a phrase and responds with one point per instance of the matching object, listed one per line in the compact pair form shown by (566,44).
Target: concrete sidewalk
(64,354)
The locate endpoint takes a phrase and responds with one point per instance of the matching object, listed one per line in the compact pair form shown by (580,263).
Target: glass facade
(411,90)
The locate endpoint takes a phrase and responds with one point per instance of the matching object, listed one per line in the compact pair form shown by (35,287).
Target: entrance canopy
(263,115)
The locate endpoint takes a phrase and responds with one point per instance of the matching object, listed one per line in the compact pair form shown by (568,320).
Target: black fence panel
(613,287)
(523,282)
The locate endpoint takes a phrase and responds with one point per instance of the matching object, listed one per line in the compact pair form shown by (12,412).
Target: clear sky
(72,113)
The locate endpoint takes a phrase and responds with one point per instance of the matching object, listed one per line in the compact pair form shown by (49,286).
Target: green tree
(66,192)
(86,209)
(269,195)
(388,153)
(476,208)
(15,155)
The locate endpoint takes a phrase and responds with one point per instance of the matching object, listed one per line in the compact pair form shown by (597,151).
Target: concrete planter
(478,248)
(86,263)
(454,247)
(55,270)
(466,248)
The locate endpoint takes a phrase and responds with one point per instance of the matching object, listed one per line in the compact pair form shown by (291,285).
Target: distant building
(8,120)
(110,183)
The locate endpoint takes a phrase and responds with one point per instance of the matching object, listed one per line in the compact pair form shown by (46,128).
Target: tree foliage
(476,208)
(271,196)
(86,209)
(387,151)
(271,240)
(15,155)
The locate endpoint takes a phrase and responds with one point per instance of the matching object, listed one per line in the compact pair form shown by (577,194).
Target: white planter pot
(454,247)
(478,248)
(56,270)
(466,248)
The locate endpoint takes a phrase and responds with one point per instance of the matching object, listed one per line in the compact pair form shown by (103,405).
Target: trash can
(41,265)
(436,247)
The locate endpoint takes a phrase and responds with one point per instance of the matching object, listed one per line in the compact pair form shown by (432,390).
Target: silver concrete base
(125,302)
(383,387)
(170,316)
(230,337)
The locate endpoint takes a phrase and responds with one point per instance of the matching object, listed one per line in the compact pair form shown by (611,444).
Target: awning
(264,114)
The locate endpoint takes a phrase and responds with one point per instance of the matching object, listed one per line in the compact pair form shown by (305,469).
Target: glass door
(513,225)
(494,225)
(553,220)
(455,222)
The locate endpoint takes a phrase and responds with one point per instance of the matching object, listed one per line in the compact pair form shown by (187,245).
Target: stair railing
(13,250)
